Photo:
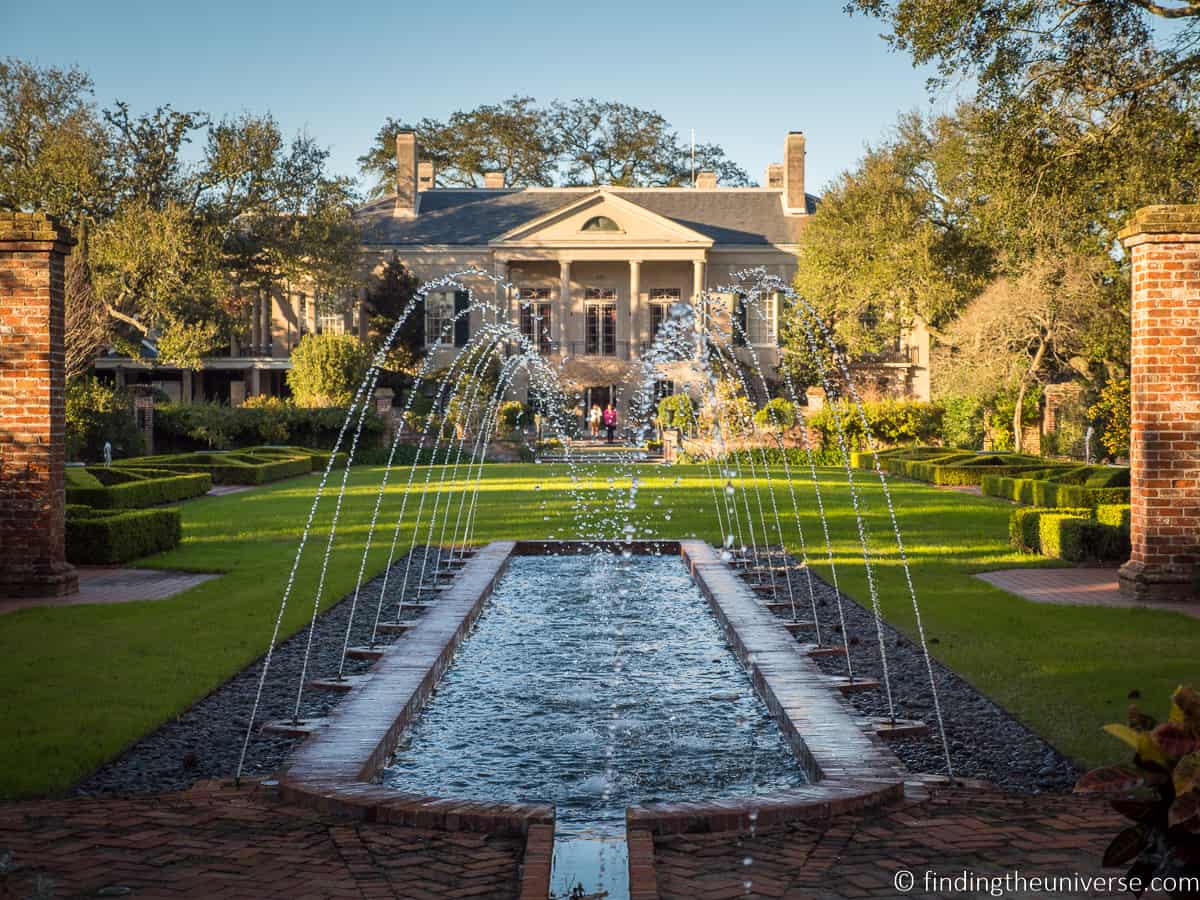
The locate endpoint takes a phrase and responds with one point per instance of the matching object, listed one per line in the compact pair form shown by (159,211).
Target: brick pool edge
(334,769)
(849,767)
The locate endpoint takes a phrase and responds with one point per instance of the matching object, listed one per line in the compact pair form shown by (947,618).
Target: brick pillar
(32,410)
(1164,244)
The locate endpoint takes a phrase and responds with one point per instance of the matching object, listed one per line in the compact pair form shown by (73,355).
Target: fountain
(694,670)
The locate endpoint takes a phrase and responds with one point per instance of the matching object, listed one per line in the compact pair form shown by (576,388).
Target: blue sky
(741,75)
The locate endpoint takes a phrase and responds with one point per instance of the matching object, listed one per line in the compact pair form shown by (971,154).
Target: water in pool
(594,682)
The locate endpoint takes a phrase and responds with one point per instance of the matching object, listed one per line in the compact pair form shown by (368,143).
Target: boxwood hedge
(1074,534)
(239,467)
(107,537)
(130,488)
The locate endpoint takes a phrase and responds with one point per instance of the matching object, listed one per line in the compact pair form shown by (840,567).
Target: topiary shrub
(235,468)
(107,537)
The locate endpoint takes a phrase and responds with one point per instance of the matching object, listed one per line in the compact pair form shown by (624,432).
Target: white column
(503,300)
(635,307)
(255,325)
(267,317)
(558,323)
(697,291)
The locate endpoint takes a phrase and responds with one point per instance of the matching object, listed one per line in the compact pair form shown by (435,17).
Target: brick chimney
(706,181)
(406,174)
(774,177)
(794,202)
(493,180)
(426,175)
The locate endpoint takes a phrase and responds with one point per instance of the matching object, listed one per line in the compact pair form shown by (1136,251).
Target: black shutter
(462,323)
(740,334)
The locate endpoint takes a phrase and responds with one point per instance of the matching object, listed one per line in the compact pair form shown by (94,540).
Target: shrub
(235,468)
(890,422)
(676,411)
(1024,525)
(327,369)
(511,416)
(1113,412)
(97,413)
(1063,534)
(779,414)
(106,537)
(130,488)
(1115,515)
(962,422)
(214,426)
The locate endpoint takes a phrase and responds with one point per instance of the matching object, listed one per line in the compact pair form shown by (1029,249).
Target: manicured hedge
(958,468)
(320,458)
(1024,529)
(1061,535)
(233,468)
(107,537)
(130,488)
(1072,534)
(1063,486)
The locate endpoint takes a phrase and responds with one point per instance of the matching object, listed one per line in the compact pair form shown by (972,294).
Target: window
(600,305)
(661,301)
(600,223)
(760,320)
(439,311)
(534,304)
(330,322)
(303,313)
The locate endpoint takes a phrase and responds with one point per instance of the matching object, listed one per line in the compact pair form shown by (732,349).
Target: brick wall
(32,412)
(1164,243)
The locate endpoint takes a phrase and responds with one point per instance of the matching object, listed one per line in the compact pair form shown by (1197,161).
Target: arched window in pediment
(600,223)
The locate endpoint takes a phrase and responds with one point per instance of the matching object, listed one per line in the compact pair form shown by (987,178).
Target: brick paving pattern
(104,584)
(1076,587)
(953,829)
(215,841)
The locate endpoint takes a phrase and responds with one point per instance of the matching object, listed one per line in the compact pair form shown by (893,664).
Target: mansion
(593,271)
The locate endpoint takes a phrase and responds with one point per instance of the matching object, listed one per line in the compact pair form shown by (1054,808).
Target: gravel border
(205,741)
(985,740)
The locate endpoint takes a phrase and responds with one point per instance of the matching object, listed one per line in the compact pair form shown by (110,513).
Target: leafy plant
(511,416)
(676,411)
(98,413)
(327,369)
(1159,792)
(778,415)
(1112,411)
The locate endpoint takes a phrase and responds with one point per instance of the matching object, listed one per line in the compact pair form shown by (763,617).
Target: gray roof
(475,217)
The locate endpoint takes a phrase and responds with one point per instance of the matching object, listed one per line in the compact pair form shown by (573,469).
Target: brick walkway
(106,584)
(858,855)
(214,841)
(1074,587)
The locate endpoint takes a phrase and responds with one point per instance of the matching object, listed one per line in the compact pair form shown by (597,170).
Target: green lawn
(77,684)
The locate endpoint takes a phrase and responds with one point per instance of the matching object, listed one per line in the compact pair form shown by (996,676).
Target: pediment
(602,219)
